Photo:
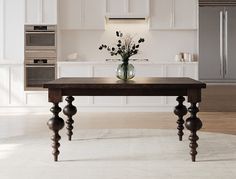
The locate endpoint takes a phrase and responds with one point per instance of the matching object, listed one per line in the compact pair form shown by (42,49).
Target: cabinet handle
(226,42)
(221,45)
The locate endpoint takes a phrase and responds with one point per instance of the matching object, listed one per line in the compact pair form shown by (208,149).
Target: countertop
(118,62)
(101,62)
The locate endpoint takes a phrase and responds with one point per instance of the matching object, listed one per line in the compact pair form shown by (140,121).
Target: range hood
(132,17)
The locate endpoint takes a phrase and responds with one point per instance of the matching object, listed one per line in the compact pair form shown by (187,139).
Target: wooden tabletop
(170,82)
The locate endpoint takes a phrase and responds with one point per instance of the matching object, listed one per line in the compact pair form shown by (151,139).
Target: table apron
(124,92)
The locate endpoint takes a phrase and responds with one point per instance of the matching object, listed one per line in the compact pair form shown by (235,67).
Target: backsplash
(160,45)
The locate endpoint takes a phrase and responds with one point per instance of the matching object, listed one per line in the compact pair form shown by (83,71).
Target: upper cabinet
(133,8)
(94,14)
(12,30)
(173,14)
(82,14)
(161,14)
(70,14)
(41,11)
(185,14)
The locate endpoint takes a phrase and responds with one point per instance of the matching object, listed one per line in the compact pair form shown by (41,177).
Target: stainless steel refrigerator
(217,43)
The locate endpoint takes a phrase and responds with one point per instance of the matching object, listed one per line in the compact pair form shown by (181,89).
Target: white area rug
(118,154)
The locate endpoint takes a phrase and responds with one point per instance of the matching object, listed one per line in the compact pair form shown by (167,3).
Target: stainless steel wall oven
(40,55)
(39,71)
(40,37)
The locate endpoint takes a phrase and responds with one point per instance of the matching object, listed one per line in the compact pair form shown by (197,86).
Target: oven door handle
(48,66)
(40,32)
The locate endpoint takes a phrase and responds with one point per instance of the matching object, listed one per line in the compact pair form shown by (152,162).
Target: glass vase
(125,71)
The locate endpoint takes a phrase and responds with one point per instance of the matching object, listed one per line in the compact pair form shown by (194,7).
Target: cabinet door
(94,14)
(138,7)
(1,29)
(115,7)
(4,85)
(70,13)
(191,70)
(74,70)
(175,70)
(185,14)
(161,14)
(149,70)
(32,11)
(49,15)
(17,86)
(107,70)
(14,30)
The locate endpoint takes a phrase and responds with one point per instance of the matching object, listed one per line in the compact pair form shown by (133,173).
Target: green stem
(125,70)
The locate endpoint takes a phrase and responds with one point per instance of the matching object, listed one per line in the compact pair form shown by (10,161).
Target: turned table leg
(180,111)
(193,123)
(55,124)
(69,111)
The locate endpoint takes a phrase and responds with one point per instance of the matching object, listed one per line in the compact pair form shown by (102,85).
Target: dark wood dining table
(150,86)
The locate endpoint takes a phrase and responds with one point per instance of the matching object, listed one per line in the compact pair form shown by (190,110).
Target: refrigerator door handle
(226,42)
(221,44)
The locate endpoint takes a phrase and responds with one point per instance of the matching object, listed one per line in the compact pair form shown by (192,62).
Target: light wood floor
(222,122)
(13,125)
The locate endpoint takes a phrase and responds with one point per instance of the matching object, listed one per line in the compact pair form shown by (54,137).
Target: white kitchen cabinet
(185,14)
(17,85)
(174,70)
(161,15)
(32,11)
(70,14)
(173,14)
(190,70)
(2,2)
(49,12)
(107,70)
(82,14)
(13,30)
(94,14)
(148,70)
(136,8)
(39,99)
(74,70)
(4,85)
(40,11)
(115,7)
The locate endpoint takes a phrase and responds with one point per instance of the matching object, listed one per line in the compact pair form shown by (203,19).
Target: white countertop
(118,62)
(97,62)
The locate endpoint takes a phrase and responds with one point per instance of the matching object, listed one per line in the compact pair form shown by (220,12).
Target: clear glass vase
(125,71)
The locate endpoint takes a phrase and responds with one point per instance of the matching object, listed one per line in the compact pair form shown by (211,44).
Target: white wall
(160,45)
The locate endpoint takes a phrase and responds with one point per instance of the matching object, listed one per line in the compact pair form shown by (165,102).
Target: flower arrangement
(125,46)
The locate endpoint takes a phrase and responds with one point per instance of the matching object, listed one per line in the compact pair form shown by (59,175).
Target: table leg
(180,111)
(193,123)
(55,124)
(69,111)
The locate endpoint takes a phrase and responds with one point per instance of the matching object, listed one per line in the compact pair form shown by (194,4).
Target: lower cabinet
(4,85)
(141,70)
(13,94)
